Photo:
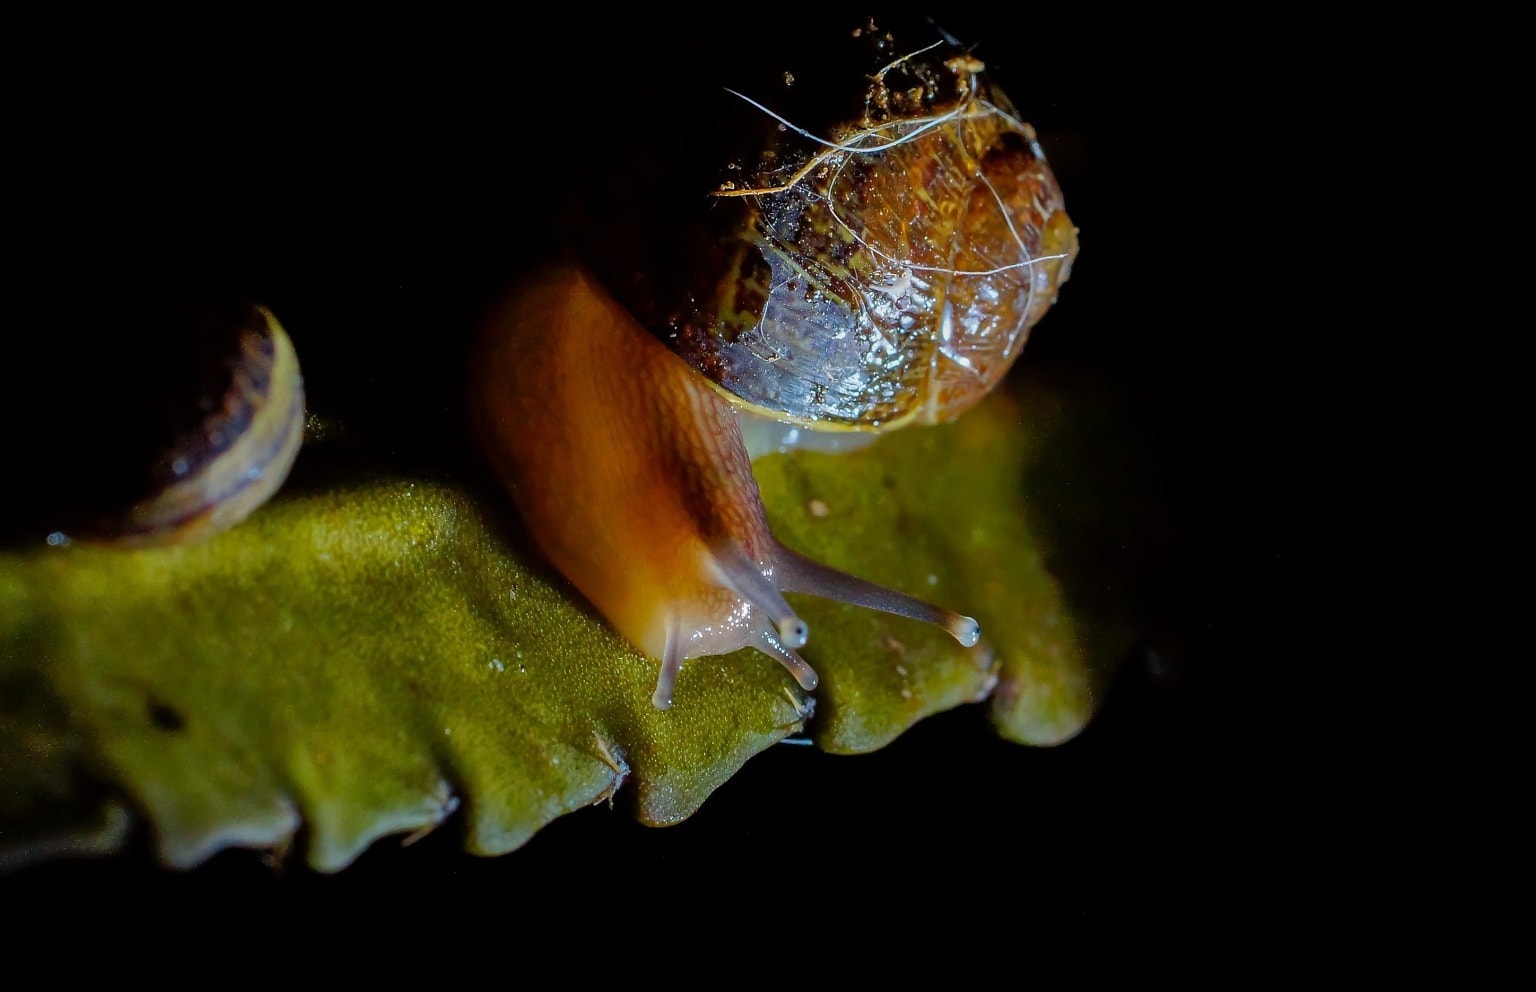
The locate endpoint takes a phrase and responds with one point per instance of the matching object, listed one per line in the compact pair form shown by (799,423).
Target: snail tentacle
(671,664)
(789,658)
(802,574)
(756,586)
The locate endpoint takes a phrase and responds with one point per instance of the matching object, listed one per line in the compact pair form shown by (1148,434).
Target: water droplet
(58,539)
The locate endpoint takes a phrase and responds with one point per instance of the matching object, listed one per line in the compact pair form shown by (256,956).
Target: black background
(372,179)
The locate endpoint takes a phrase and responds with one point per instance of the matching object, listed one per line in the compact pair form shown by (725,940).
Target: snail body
(888,278)
(636,483)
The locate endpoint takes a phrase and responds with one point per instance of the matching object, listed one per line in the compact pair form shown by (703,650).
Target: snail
(880,274)
(190,415)
(238,455)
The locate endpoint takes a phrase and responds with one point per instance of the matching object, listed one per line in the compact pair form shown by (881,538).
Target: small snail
(188,416)
(886,272)
(238,454)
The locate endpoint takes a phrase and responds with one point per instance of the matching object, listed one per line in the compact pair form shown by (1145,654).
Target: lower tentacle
(745,579)
(803,673)
(671,664)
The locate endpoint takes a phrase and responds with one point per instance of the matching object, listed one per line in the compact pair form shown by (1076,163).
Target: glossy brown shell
(892,272)
(865,245)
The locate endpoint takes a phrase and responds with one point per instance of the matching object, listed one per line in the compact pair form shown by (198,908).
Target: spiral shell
(237,455)
(889,272)
(185,416)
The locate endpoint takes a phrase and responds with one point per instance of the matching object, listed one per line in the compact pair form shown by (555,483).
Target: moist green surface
(374,658)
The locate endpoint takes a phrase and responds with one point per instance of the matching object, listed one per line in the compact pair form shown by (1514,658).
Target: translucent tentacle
(803,673)
(738,573)
(798,573)
(671,664)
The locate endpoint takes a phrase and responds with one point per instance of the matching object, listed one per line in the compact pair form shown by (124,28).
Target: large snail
(881,273)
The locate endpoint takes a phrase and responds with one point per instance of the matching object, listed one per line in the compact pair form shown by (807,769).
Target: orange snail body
(891,279)
(636,484)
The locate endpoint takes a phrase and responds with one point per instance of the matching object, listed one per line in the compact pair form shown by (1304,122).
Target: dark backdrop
(373,178)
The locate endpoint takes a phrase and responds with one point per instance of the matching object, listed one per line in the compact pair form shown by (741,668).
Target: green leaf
(365,661)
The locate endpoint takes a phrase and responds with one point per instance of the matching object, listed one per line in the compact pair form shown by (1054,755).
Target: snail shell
(238,455)
(888,277)
(192,416)
(888,272)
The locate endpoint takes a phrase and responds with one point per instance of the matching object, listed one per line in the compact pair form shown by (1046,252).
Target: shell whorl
(893,273)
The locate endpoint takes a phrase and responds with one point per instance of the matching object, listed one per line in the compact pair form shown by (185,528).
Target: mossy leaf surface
(364,661)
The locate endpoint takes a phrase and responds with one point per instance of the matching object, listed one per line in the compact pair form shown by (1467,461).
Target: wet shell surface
(884,271)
